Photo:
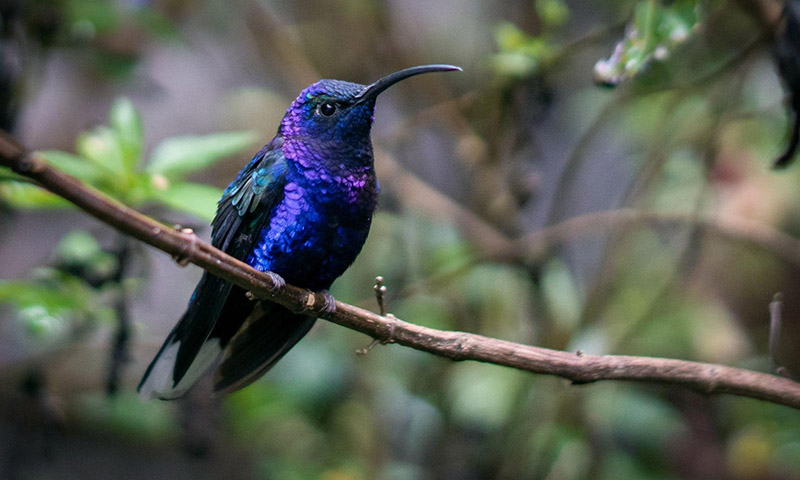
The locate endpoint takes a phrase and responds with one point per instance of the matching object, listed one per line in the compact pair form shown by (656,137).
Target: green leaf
(656,29)
(43,323)
(482,395)
(27,196)
(103,148)
(78,247)
(128,126)
(126,416)
(561,294)
(195,198)
(6,174)
(88,19)
(178,156)
(72,164)
(520,55)
(639,416)
(552,12)
(27,294)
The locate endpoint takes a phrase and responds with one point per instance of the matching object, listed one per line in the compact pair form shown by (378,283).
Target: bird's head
(338,115)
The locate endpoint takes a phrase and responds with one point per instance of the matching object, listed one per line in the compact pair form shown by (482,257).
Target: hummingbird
(300,210)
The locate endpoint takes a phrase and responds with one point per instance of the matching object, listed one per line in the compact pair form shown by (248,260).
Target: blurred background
(598,178)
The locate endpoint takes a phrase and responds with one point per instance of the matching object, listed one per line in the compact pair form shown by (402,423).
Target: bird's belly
(309,246)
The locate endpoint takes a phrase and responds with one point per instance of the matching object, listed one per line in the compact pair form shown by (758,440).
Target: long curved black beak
(373,90)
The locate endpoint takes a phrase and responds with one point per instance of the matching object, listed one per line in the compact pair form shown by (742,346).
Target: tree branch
(458,346)
(537,244)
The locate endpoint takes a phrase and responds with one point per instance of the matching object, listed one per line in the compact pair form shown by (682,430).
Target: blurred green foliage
(111,158)
(521,55)
(63,302)
(656,29)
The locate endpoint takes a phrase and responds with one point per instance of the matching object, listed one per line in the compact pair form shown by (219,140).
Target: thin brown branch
(421,196)
(459,346)
(120,344)
(767,13)
(538,244)
(775,321)
(273,37)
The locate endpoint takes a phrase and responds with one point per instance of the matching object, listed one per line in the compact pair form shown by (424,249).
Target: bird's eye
(326,109)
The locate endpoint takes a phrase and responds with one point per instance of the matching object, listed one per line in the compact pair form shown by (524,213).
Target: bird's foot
(329,306)
(277,281)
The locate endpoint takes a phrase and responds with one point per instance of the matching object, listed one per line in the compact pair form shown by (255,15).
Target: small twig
(119,350)
(380,292)
(536,244)
(365,350)
(775,322)
(380,297)
(419,195)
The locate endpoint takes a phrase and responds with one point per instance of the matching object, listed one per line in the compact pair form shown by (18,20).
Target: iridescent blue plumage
(301,208)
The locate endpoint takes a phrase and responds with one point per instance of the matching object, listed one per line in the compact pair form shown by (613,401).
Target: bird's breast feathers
(318,228)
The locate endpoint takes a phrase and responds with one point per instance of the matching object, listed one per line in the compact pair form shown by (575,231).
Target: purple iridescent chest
(319,226)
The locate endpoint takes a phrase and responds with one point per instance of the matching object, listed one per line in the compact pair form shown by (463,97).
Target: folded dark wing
(243,210)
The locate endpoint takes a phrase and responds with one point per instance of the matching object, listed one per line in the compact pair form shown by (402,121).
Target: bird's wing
(241,213)
(248,200)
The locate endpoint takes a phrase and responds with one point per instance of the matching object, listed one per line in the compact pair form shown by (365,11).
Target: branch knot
(187,250)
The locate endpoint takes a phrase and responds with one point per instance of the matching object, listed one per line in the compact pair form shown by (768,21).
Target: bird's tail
(158,381)
(190,350)
(221,319)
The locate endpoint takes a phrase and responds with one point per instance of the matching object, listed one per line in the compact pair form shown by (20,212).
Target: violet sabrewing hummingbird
(301,210)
